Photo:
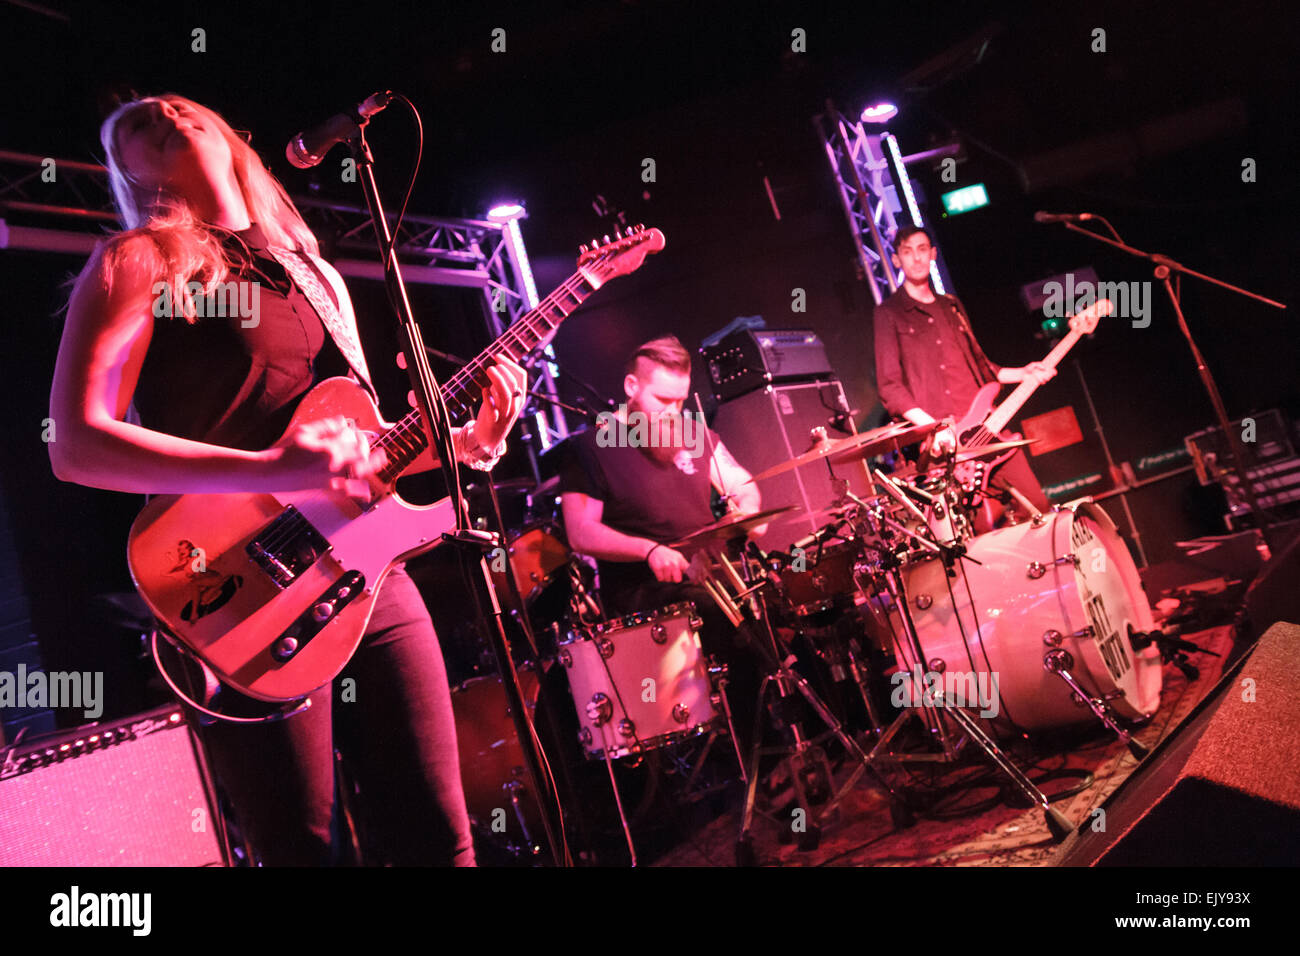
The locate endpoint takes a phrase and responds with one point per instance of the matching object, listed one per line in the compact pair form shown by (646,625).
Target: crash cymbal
(855,447)
(729,527)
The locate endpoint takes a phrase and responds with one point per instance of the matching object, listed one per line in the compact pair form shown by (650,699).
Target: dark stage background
(1151,133)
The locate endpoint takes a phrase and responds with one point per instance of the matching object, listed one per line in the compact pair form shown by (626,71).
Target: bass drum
(1067,581)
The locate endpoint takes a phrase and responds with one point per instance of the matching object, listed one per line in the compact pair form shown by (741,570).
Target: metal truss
(876,194)
(56,208)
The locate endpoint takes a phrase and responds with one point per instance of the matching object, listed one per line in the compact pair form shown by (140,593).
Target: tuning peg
(640,227)
(582,249)
(594,243)
(618,234)
(605,241)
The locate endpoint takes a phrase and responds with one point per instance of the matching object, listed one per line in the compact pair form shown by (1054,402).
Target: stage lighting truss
(877,196)
(69,209)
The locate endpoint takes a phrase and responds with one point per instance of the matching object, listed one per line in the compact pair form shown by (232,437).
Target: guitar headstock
(1086,321)
(607,258)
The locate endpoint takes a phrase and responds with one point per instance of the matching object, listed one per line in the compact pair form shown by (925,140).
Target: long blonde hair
(181,244)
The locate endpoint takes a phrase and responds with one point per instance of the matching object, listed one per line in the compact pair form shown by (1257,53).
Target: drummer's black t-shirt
(643,496)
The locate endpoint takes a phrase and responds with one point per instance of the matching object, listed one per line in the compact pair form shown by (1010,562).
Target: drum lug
(681,713)
(1038,520)
(626,728)
(1053,637)
(924,602)
(606,647)
(1036,569)
(564,657)
(938,665)
(658,634)
(599,709)
(695,622)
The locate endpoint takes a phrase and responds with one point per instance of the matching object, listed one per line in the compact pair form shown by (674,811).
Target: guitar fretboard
(404,442)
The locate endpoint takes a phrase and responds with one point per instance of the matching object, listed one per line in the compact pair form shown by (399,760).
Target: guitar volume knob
(322,612)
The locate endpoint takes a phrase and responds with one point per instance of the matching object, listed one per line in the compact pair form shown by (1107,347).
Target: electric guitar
(983,424)
(274,591)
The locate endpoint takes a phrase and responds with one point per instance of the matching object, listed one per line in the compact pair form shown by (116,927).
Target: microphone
(1041,216)
(309,147)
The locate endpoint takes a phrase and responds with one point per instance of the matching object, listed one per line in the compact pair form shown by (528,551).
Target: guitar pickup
(327,606)
(286,547)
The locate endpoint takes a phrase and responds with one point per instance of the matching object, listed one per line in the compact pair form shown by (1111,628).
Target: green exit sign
(965,199)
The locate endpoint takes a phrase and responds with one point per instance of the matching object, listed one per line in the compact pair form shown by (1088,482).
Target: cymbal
(890,438)
(855,447)
(729,527)
(969,453)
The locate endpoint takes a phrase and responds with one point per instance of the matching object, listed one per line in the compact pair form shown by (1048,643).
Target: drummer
(639,480)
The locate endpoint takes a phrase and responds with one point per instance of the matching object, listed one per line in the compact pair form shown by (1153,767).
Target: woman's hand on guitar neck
(503,400)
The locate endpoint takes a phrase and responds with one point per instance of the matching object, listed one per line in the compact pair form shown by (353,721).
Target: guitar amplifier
(127,793)
(755,358)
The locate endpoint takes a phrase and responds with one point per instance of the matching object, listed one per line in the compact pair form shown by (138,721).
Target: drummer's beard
(668,437)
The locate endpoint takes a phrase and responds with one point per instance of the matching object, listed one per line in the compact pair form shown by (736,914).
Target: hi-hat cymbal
(729,527)
(856,447)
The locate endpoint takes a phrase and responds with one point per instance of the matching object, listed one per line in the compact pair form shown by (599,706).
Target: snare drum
(639,682)
(1067,581)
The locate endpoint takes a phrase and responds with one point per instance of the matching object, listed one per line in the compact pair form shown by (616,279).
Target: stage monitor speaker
(129,793)
(772,425)
(1222,789)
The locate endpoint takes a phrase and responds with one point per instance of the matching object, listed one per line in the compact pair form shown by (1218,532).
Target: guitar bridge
(286,547)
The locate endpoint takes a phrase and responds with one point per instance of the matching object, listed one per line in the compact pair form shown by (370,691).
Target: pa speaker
(1222,789)
(129,793)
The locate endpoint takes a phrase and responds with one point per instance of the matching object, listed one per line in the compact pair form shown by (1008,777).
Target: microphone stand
(438,429)
(1163,267)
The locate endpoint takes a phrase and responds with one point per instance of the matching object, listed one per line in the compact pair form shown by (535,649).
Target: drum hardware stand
(1059,661)
(804,752)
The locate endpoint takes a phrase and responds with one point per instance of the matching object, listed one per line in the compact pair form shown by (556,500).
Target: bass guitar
(983,424)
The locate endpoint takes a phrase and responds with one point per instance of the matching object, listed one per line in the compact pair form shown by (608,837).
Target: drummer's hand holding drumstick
(668,564)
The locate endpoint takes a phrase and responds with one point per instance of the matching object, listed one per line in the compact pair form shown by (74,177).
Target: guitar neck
(406,440)
(1012,403)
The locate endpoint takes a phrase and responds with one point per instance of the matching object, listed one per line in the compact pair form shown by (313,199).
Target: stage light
(879,113)
(505,211)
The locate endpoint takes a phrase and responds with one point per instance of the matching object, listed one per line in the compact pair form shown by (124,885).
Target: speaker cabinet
(1222,789)
(767,427)
(129,793)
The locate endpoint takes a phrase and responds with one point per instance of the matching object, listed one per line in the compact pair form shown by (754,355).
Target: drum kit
(1036,625)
